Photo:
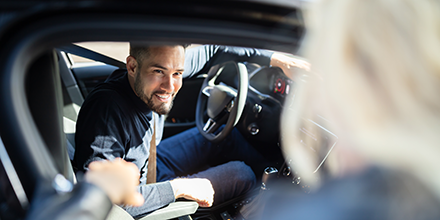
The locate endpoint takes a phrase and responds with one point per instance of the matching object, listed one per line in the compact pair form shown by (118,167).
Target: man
(117,117)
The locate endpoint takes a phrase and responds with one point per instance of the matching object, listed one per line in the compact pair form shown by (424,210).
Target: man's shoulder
(105,93)
(110,90)
(107,98)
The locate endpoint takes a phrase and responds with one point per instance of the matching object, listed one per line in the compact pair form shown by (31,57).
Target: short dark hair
(141,50)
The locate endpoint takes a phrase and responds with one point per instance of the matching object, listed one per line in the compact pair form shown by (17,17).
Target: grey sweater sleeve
(156,195)
(200,59)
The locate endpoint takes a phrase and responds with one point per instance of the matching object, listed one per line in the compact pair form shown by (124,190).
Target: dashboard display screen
(271,81)
(324,140)
(281,86)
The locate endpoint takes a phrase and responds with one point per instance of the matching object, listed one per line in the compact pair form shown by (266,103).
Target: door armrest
(173,210)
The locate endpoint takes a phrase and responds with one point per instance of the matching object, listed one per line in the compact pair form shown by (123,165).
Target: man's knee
(241,173)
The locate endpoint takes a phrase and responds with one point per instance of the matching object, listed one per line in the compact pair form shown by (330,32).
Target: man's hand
(289,64)
(199,190)
(118,178)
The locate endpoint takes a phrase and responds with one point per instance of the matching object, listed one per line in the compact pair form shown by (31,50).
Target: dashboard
(271,81)
(268,82)
(268,89)
(273,84)
(260,122)
(281,86)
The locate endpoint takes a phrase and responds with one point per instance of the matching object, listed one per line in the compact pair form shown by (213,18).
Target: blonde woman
(375,83)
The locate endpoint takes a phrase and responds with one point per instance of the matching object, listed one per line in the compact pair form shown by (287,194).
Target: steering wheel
(222,103)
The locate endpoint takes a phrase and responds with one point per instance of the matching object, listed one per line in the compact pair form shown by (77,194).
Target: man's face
(160,77)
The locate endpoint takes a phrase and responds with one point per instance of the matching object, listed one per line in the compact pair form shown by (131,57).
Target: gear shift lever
(254,208)
(269,174)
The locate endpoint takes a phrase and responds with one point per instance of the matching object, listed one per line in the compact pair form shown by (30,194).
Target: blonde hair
(378,86)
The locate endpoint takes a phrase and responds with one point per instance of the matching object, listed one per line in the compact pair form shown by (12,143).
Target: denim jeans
(231,165)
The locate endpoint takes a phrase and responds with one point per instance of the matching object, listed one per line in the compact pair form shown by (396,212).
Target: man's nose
(167,84)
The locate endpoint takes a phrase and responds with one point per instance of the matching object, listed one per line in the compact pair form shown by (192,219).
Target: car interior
(77,80)
(44,88)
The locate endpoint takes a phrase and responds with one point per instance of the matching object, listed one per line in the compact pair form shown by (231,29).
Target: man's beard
(162,108)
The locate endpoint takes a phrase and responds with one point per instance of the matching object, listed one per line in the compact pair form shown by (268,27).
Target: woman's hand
(118,178)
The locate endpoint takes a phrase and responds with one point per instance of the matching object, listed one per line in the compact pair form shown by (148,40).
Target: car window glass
(116,50)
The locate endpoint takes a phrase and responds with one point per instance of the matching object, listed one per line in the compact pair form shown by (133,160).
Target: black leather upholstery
(44,95)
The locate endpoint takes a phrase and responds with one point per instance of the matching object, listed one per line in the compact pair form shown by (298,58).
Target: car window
(116,50)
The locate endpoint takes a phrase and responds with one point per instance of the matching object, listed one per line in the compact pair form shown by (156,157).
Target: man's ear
(131,65)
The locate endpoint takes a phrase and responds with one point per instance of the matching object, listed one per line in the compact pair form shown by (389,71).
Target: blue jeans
(189,154)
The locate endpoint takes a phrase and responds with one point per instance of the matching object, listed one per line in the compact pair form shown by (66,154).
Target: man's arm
(99,131)
(200,59)
(158,195)
(100,136)
(289,65)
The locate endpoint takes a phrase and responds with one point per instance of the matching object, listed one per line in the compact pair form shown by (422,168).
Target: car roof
(281,16)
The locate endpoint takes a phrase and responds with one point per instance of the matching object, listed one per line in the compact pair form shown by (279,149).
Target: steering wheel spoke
(207,90)
(230,106)
(210,126)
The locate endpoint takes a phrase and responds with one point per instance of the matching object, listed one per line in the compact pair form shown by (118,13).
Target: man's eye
(178,73)
(158,71)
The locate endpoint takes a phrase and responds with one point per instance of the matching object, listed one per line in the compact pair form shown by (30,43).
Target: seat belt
(89,54)
(151,168)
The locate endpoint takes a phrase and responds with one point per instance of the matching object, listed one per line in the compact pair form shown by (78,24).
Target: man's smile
(163,97)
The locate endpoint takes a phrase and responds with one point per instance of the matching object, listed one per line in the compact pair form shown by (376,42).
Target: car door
(31,115)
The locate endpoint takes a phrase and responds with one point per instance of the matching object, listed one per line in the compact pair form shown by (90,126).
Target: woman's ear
(131,65)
